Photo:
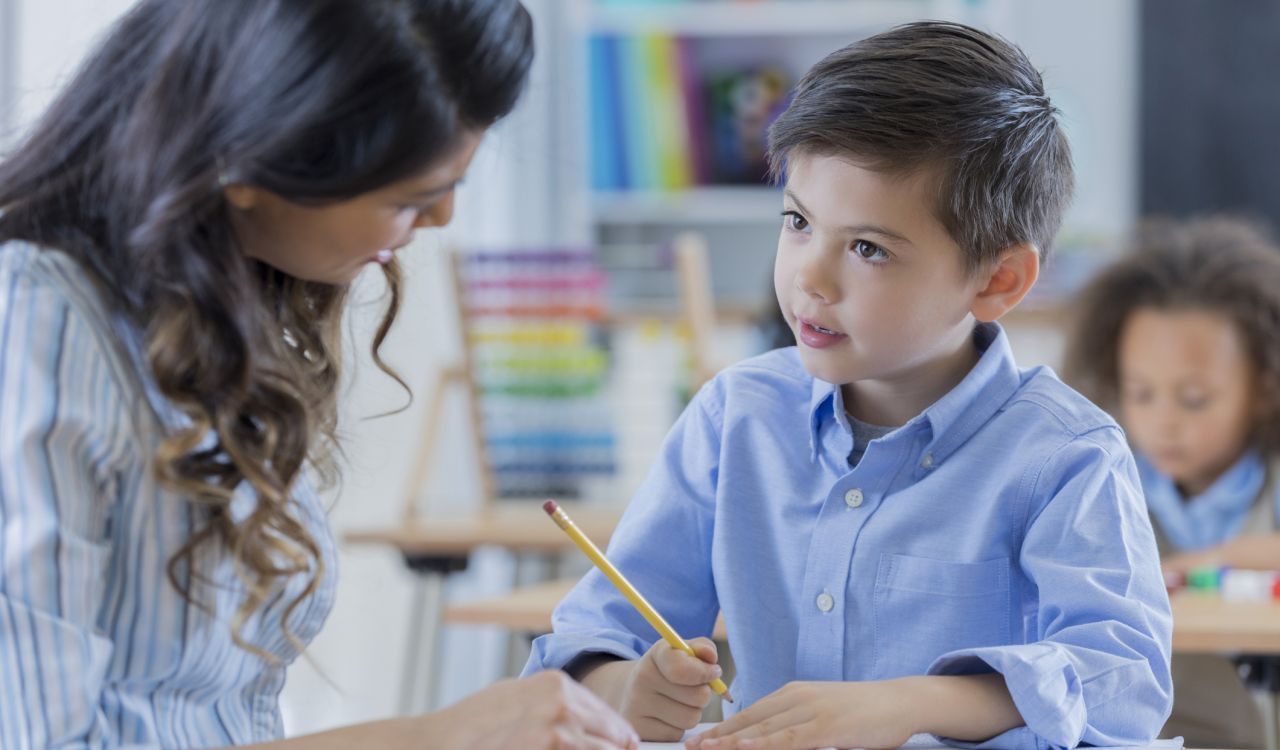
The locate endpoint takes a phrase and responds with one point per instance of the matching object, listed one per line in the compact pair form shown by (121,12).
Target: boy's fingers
(676,713)
(682,669)
(705,649)
(697,696)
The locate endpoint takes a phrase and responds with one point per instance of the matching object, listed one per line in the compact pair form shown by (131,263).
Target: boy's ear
(1007,282)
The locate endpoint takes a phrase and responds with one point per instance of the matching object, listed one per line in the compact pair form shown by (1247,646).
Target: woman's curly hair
(1218,264)
(317,101)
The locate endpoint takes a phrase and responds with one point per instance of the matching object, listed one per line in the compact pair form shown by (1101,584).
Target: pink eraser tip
(550,507)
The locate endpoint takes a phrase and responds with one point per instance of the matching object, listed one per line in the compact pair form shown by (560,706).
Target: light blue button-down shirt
(97,648)
(1002,529)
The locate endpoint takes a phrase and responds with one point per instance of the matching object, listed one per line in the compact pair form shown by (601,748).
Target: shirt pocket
(925,608)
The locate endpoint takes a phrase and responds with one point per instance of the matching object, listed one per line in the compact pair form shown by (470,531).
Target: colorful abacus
(540,368)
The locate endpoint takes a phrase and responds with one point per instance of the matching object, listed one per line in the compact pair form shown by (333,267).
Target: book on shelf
(659,122)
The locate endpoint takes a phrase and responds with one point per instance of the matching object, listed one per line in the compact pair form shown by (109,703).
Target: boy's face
(1186,393)
(870,282)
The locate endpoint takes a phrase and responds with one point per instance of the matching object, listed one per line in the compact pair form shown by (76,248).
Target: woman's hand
(548,711)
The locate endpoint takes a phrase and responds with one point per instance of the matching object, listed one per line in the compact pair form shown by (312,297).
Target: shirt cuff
(556,650)
(1043,684)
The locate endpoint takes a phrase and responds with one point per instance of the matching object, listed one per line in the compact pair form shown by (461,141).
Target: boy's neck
(896,401)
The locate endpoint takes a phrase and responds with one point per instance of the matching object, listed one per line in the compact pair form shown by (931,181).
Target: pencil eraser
(550,507)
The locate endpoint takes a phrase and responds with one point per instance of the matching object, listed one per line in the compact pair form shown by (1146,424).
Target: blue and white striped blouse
(97,648)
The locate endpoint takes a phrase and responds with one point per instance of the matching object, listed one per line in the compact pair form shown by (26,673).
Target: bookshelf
(667,175)
(712,205)
(707,18)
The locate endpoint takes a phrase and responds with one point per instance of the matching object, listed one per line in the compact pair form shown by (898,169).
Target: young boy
(905,533)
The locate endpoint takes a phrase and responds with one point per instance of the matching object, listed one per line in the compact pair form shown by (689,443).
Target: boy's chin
(824,368)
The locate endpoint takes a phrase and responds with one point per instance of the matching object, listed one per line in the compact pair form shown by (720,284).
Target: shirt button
(826,602)
(927,461)
(853,498)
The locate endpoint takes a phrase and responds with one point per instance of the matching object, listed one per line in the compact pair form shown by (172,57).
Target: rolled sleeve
(1096,668)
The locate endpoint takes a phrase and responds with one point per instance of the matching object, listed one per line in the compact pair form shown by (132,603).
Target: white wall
(1088,53)
(51,38)
(8,64)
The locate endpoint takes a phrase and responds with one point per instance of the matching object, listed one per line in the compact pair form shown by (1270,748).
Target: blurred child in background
(1181,340)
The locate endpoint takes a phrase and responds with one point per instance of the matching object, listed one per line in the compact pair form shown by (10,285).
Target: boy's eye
(869,251)
(794,221)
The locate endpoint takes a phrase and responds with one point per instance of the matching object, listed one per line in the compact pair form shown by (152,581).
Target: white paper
(924,741)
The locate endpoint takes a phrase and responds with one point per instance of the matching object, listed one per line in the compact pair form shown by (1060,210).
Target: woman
(178,236)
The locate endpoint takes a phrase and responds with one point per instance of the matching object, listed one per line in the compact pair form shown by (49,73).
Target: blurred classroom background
(589,309)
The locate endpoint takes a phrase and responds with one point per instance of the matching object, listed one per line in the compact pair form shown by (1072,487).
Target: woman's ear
(1007,282)
(243,197)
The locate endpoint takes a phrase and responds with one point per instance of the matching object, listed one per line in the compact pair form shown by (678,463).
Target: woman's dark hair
(1219,265)
(964,106)
(314,100)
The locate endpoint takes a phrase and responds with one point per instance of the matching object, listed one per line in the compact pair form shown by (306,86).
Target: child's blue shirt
(1002,529)
(1217,515)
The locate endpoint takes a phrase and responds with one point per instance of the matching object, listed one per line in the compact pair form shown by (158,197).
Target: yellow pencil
(643,607)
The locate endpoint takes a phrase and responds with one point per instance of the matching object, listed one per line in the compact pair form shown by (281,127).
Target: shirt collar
(1210,517)
(955,417)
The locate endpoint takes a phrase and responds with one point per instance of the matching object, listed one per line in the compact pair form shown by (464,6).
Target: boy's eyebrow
(853,229)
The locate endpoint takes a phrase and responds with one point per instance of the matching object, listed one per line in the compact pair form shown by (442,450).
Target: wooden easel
(697,304)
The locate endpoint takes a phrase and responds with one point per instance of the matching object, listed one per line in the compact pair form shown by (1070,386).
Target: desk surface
(917,742)
(1202,624)
(522,526)
(527,609)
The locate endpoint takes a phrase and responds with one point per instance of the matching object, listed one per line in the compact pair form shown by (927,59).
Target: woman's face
(334,242)
(1186,393)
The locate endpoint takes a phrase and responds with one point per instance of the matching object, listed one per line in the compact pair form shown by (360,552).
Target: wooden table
(525,610)
(521,527)
(1206,624)
(1202,624)
(436,546)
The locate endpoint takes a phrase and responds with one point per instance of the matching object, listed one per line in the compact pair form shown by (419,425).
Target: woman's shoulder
(48,278)
(48,301)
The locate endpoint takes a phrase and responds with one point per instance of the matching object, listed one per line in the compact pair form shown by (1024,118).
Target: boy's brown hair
(963,105)
(1216,265)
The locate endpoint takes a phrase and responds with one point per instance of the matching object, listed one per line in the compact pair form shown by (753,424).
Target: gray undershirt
(864,433)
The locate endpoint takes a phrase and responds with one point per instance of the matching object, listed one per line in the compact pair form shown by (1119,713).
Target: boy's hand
(666,690)
(806,715)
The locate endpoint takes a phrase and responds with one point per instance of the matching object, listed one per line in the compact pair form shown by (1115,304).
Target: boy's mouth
(818,336)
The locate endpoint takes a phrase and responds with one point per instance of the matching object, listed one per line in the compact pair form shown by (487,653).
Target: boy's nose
(813,282)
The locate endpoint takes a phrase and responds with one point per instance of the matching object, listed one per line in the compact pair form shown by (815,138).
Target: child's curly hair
(1215,264)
